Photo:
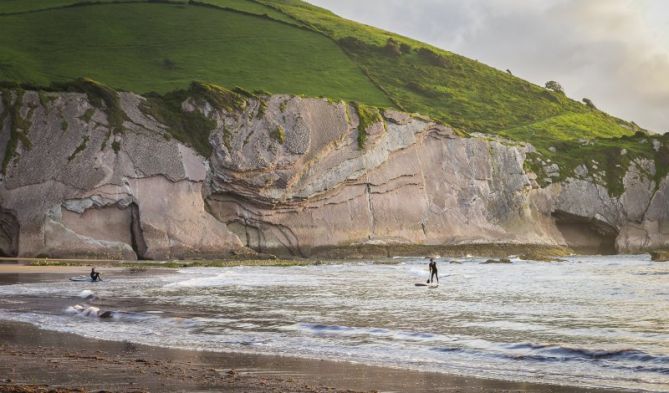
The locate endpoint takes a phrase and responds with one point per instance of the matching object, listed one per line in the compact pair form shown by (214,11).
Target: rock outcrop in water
(292,175)
(660,256)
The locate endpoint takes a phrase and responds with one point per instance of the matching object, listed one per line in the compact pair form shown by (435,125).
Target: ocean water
(590,321)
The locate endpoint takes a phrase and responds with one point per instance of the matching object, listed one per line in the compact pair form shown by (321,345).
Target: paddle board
(82,279)
(420,284)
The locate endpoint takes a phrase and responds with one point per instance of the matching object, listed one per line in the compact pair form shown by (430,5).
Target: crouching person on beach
(95,276)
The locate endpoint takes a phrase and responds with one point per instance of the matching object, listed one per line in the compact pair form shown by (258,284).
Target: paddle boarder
(433,271)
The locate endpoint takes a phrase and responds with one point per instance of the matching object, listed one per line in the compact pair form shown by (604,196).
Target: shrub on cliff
(368,116)
(588,102)
(393,48)
(433,58)
(554,86)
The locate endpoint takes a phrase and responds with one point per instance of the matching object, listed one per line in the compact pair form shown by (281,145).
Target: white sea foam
(86,293)
(595,321)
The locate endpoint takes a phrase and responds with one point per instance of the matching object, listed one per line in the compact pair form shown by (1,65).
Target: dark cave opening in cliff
(138,242)
(586,235)
(9,234)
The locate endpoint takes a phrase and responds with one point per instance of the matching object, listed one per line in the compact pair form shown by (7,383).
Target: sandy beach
(34,360)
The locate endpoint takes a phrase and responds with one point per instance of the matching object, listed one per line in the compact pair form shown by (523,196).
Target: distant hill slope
(289,46)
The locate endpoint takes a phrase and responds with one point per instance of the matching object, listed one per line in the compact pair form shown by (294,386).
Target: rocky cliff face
(78,189)
(636,221)
(290,175)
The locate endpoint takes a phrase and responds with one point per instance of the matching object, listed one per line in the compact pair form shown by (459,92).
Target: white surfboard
(83,279)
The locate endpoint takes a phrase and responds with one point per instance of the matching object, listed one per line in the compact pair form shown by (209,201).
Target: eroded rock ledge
(290,175)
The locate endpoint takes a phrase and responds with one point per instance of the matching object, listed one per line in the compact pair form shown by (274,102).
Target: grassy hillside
(289,46)
(459,91)
(146,47)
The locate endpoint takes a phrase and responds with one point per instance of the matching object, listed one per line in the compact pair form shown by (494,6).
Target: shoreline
(31,357)
(169,264)
(367,253)
(347,252)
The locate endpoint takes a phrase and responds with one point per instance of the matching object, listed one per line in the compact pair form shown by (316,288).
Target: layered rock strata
(291,176)
(81,190)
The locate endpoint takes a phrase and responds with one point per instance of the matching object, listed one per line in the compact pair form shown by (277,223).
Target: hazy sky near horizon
(615,52)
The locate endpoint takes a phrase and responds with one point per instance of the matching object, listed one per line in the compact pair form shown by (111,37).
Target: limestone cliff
(79,189)
(291,175)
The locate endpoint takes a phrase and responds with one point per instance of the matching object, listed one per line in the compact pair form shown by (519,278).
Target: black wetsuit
(433,272)
(95,276)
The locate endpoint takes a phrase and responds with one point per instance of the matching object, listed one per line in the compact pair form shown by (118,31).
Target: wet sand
(16,273)
(35,360)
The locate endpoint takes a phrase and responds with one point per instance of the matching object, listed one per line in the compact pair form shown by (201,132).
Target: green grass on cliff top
(146,47)
(289,46)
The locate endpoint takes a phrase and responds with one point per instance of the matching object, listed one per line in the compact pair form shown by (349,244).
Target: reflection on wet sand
(30,355)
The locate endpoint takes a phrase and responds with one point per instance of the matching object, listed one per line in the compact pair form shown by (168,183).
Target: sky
(615,52)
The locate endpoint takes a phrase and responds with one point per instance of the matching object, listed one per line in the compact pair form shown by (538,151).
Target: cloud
(612,51)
